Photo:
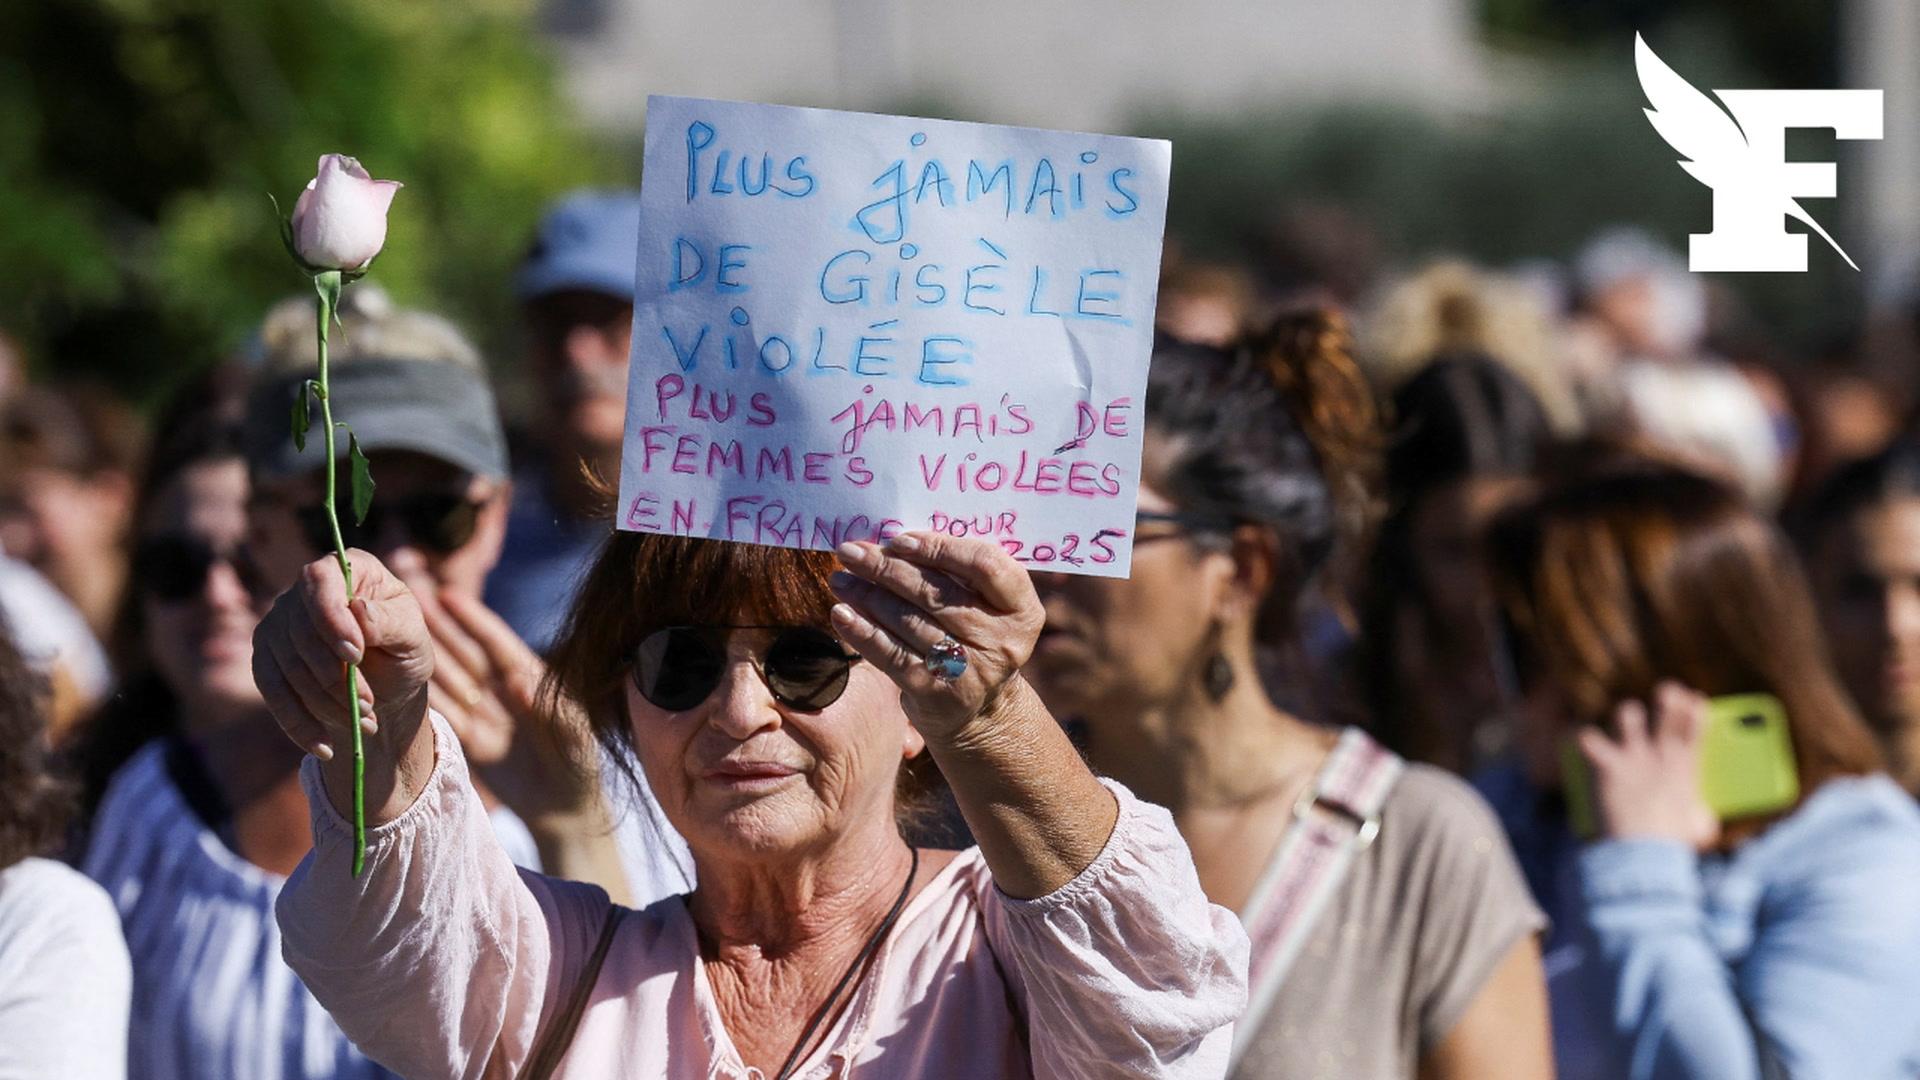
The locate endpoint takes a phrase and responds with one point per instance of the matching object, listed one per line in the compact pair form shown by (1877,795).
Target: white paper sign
(848,326)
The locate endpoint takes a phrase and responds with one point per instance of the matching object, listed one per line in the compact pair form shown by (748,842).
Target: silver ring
(947,660)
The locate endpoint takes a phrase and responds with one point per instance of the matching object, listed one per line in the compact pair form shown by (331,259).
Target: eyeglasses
(1188,524)
(440,523)
(1193,522)
(677,667)
(175,568)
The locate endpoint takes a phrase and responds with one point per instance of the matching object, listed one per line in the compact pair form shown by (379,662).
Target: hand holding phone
(1681,772)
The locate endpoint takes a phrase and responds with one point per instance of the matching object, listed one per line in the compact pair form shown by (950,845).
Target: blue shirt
(211,995)
(1796,954)
(544,556)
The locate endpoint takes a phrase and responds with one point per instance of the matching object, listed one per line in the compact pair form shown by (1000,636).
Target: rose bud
(340,221)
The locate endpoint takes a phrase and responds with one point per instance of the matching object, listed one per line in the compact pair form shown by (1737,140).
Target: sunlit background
(1325,143)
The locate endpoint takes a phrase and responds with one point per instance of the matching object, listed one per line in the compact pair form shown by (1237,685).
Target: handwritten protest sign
(847,326)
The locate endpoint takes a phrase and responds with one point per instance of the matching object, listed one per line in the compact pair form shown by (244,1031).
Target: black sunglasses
(439,523)
(175,568)
(676,667)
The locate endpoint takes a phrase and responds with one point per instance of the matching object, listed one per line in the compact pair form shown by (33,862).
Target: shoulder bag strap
(1334,820)
(553,1046)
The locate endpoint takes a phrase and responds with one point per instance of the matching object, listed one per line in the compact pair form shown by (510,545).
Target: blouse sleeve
(1128,969)
(438,959)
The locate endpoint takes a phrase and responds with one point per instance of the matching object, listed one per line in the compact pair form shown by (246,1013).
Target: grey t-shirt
(1407,941)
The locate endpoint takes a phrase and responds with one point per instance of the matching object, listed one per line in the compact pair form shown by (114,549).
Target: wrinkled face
(61,522)
(433,524)
(202,641)
(578,342)
(1866,575)
(741,775)
(1113,645)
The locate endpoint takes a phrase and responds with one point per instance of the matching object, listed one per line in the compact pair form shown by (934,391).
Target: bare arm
(1504,1034)
(1035,808)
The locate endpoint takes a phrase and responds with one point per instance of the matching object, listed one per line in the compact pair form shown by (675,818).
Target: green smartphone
(1747,766)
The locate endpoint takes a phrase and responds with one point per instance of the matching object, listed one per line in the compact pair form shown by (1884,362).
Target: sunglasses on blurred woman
(174,568)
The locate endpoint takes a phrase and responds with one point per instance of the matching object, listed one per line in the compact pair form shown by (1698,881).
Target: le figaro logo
(1740,151)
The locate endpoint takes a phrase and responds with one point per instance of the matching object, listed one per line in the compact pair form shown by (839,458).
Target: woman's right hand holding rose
(300,654)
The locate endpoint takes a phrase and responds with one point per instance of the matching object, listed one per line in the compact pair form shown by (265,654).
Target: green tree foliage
(139,140)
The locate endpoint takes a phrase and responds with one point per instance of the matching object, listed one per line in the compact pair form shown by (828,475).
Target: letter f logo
(1741,153)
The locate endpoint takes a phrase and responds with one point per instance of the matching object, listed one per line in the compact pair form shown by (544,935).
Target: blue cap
(590,240)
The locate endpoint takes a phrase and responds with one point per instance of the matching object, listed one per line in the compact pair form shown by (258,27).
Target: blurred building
(1077,64)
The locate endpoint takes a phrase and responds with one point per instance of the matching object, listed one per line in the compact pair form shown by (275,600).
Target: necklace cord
(859,964)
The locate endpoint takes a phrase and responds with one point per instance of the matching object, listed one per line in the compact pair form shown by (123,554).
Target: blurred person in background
(1466,434)
(1690,947)
(576,299)
(199,814)
(67,462)
(1452,308)
(1860,535)
(55,638)
(1202,302)
(1640,367)
(416,395)
(63,965)
(1845,415)
(1424,960)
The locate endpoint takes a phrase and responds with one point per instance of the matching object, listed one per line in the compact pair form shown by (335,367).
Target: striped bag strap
(1333,821)
(558,1038)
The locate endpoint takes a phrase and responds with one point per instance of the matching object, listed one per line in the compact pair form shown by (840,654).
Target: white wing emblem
(1711,145)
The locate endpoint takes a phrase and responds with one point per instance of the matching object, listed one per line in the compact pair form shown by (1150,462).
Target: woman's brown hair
(1640,572)
(34,803)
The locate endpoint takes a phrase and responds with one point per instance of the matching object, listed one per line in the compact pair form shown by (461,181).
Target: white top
(63,977)
(49,630)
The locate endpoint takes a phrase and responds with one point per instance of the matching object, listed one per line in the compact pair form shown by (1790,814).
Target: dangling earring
(1219,676)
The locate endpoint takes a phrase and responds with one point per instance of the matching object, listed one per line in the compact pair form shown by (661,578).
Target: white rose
(340,221)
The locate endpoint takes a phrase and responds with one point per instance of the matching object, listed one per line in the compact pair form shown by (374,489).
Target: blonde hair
(1453,306)
(370,327)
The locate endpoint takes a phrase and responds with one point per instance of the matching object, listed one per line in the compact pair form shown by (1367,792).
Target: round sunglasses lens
(807,668)
(173,570)
(676,670)
(443,523)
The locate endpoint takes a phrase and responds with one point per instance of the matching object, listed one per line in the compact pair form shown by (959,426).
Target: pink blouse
(443,960)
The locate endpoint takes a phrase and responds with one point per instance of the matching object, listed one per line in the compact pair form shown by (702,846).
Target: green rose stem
(327,284)
(340,220)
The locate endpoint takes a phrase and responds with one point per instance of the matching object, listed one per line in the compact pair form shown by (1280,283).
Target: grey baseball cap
(437,408)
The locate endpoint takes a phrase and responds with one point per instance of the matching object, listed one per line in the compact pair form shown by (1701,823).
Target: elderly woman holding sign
(771,722)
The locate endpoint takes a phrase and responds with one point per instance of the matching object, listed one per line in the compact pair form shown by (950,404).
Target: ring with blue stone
(947,661)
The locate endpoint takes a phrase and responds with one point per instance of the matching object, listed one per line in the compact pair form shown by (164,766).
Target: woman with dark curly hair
(1392,933)
(63,966)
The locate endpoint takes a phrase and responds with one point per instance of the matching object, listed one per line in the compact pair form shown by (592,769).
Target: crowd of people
(1516,678)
